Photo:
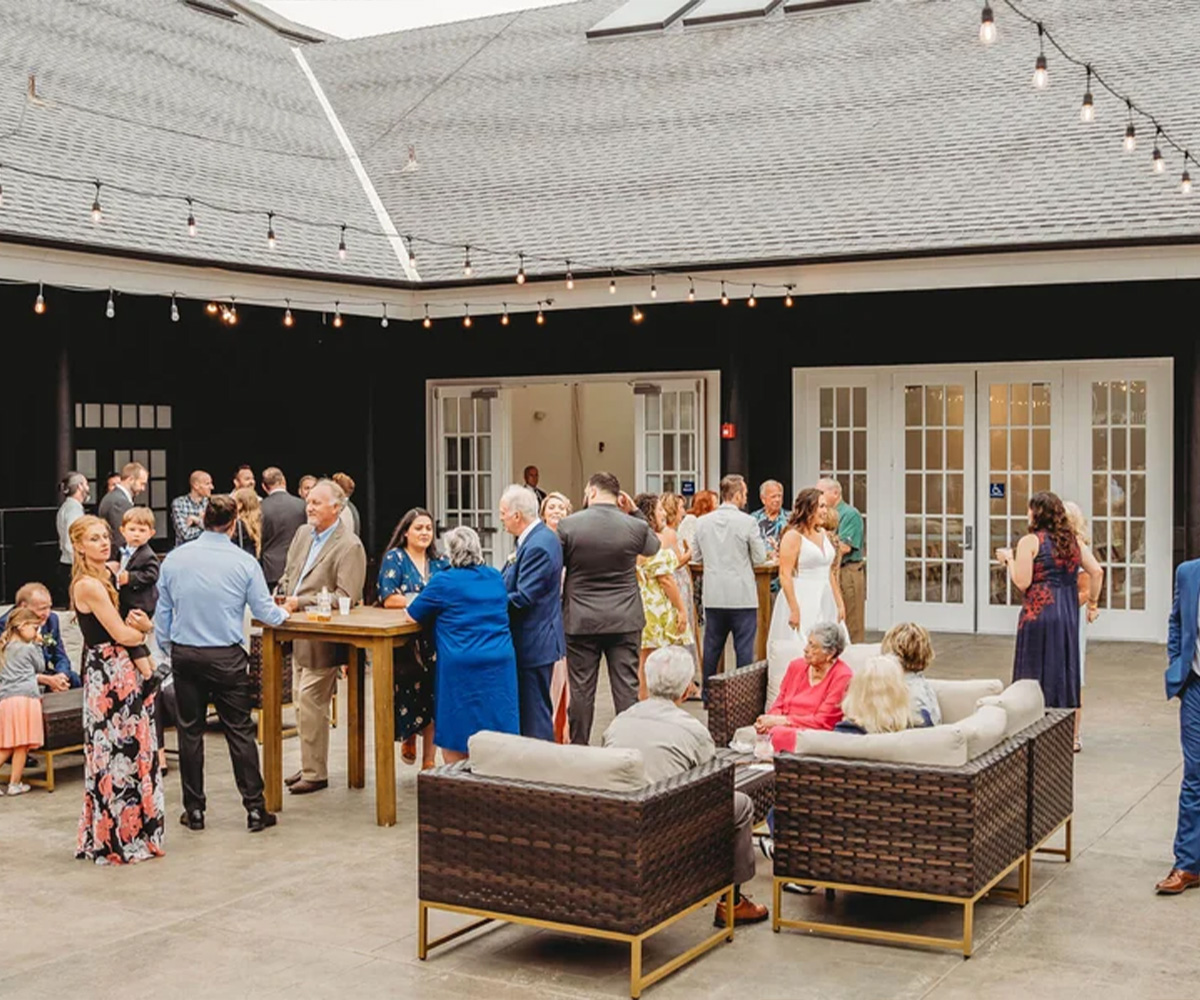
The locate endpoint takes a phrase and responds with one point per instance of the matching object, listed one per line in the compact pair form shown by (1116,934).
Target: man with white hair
(672,741)
(852,576)
(324,555)
(533,579)
(75,495)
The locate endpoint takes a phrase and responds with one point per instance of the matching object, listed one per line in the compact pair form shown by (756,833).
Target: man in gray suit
(120,498)
(671,741)
(602,608)
(324,555)
(282,516)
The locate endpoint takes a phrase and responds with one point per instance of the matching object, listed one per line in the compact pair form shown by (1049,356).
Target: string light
(270,230)
(383,322)
(987,26)
(211,308)
(752,301)
(541,318)
(1087,111)
(637,316)
(288,320)
(231,316)
(1130,130)
(39,304)
(504,316)
(191,223)
(612,282)
(96,210)
(1041,76)
(787,299)
(337,316)
(342,244)
(724,295)
(466,316)
(691,290)
(427,322)
(653,287)
(467,269)
(174,309)
(570,278)
(1185,182)
(110,309)
(521,269)
(1157,163)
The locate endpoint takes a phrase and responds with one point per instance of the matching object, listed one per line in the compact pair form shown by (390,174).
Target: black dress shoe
(292,779)
(258,820)
(193,820)
(304,786)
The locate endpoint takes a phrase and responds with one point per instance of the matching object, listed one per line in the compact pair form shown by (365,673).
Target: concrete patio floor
(324,905)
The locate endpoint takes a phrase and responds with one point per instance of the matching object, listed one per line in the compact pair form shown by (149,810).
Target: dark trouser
(165,711)
(216,674)
(718,623)
(620,650)
(744,864)
(533,690)
(1187,832)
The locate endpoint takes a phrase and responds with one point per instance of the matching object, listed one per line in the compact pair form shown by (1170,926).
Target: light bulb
(110,309)
(637,315)
(337,315)
(96,211)
(1087,110)
(521,269)
(174,310)
(987,26)
(752,301)
(541,319)
(1041,76)
(342,245)
(1130,138)
(570,278)
(288,319)
(467,317)
(691,290)
(211,308)
(427,322)
(504,316)
(787,299)
(233,317)
(383,320)
(39,304)
(724,295)
(467,269)
(612,286)
(653,288)
(191,223)
(1185,183)
(1157,163)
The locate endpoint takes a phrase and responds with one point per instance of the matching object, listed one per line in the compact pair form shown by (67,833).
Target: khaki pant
(853,580)
(314,690)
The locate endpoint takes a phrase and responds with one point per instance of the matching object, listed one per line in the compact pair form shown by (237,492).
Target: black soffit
(716,11)
(640,15)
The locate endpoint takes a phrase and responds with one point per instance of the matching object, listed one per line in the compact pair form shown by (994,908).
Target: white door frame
(700,417)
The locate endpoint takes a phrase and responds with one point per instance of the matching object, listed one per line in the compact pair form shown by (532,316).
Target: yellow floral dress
(662,619)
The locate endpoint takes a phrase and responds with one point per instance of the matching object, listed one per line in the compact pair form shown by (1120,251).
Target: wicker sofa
(62,722)
(620,865)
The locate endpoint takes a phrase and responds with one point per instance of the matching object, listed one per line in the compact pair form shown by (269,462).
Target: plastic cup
(344,605)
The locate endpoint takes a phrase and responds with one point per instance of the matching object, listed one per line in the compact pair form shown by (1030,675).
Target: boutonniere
(511,560)
(47,641)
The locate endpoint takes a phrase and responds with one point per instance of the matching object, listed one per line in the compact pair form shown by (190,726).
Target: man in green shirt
(853,573)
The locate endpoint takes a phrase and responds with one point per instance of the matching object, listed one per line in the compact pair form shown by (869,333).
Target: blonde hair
(139,515)
(554,495)
(81,568)
(911,644)
(673,508)
(877,698)
(16,618)
(1077,522)
(249,509)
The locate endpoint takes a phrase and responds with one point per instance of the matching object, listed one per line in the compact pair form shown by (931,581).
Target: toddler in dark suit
(136,575)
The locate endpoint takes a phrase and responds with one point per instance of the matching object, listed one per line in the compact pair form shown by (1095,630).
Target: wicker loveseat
(62,722)
(620,865)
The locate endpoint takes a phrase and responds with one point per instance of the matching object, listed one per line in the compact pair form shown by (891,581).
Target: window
(1119,491)
(843,429)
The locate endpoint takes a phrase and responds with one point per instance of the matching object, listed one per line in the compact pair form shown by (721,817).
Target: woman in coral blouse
(812,691)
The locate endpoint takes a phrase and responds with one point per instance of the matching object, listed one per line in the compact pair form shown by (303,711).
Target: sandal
(1078,745)
(408,750)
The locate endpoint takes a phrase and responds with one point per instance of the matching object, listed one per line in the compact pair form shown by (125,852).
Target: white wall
(544,442)
(606,430)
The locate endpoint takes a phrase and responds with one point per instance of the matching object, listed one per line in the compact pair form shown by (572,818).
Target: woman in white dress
(809,590)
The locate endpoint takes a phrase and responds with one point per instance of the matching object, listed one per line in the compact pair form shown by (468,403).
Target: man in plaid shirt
(187,511)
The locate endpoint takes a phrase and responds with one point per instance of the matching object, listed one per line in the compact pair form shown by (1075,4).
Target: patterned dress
(412,684)
(662,627)
(122,819)
(1048,629)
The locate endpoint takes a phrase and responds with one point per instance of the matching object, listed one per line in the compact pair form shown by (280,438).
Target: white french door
(470,456)
(669,433)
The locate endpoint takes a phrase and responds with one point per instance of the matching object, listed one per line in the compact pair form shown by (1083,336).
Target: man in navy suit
(1183,682)
(533,577)
(58,675)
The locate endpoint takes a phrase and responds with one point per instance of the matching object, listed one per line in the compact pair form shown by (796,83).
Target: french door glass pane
(843,446)
(1119,491)
(935,417)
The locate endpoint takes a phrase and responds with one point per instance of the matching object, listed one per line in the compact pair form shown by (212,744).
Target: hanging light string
(1046,36)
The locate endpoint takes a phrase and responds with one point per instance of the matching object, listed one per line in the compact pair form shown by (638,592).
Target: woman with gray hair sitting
(812,690)
(465,608)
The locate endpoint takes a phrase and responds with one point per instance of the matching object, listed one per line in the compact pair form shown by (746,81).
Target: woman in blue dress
(466,609)
(1045,567)
(409,563)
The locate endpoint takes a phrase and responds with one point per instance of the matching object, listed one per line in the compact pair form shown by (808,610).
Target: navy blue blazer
(1181,631)
(534,584)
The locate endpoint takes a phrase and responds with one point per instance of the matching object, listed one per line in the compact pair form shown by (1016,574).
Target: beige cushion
(780,654)
(504,755)
(1023,702)
(984,728)
(958,699)
(857,654)
(940,745)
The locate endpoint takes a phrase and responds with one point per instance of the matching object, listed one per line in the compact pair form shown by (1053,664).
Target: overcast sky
(355,18)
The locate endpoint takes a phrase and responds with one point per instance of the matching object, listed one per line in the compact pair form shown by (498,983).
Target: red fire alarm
(728,432)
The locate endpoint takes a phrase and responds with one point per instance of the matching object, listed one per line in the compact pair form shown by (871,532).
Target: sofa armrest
(735,699)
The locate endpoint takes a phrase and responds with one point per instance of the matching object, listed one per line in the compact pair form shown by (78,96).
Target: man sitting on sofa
(57,674)
(671,741)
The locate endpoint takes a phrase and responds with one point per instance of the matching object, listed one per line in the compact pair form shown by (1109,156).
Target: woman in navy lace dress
(1045,567)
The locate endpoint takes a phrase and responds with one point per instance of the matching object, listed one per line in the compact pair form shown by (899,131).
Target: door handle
(969,538)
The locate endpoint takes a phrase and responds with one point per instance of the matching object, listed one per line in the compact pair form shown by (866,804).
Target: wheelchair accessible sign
(995,491)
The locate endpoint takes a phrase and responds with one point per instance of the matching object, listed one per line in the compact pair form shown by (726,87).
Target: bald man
(187,511)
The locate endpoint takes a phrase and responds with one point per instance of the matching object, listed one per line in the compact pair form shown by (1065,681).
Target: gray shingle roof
(881,128)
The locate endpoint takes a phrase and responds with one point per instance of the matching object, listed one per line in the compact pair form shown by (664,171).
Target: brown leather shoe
(745,911)
(304,786)
(292,779)
(1176,882)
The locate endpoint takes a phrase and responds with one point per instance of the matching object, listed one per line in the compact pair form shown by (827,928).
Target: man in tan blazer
(323,554)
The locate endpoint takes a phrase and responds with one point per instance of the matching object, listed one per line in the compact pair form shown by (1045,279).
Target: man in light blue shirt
(203,591)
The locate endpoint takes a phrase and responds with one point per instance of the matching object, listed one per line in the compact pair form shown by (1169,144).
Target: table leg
(763,582)
(271,719)
(356,735)
(385,732)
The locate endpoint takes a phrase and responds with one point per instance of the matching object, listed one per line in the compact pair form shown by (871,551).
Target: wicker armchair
(615,865)
(1051,785)
(735,699)
(947,834)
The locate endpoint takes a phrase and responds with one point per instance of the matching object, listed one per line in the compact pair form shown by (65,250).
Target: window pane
(654,460)
(687,411)
(1137,589)
(1137,448)
(826,406)
(112,415)
(483,414)
(670,411)
(484,493)
(466,408)
(160,524)
(1099,403)
(912,580)
(466,459)
(1019,403)
(158,463)
(954,449)
(1100,449)
(1118,401)
(934,399)
(858,493)
(913,397)
(1019,443)
(998,405)
(933,582)
(686,461)
(999,449)
(653,412)
(933,537)
(669,483)
(163,418)
(860,406)
(1018,488)
(450,415)
(1137,496)
(78,414)
(146,417)
(1099,496)
(1041,404)
(843,406)
(912,449)
(933,449)
(912,494)
(954,583)
(954,494)
(158,493)
(954,538)
(826,451)
(933,493)
(860,450)
(1041,448)
(129,415)
(654,484)
(997,585)
(1137,402)
(668,442)
(1137,542)
(91,414)
(483,453)
(142,457)
(843,450)
(85,463)
(1118,493)
(120,458)
(954,406)
(1116,592)
(913,539)
(451,454)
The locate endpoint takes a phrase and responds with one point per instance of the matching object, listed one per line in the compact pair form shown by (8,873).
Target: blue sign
(688,487)
(995,491)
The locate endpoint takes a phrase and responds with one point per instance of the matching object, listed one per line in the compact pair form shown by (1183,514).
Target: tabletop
(362,622)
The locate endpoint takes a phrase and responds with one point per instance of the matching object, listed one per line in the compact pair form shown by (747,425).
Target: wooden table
(375,630)
(763,575)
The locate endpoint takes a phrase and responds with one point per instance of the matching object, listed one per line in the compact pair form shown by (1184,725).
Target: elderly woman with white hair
(671,741)
(812,690)
(465,608)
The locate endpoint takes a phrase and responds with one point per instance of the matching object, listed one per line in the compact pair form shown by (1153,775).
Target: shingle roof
(881,128)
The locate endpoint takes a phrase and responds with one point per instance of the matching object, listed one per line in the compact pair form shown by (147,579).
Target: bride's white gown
(814,594)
